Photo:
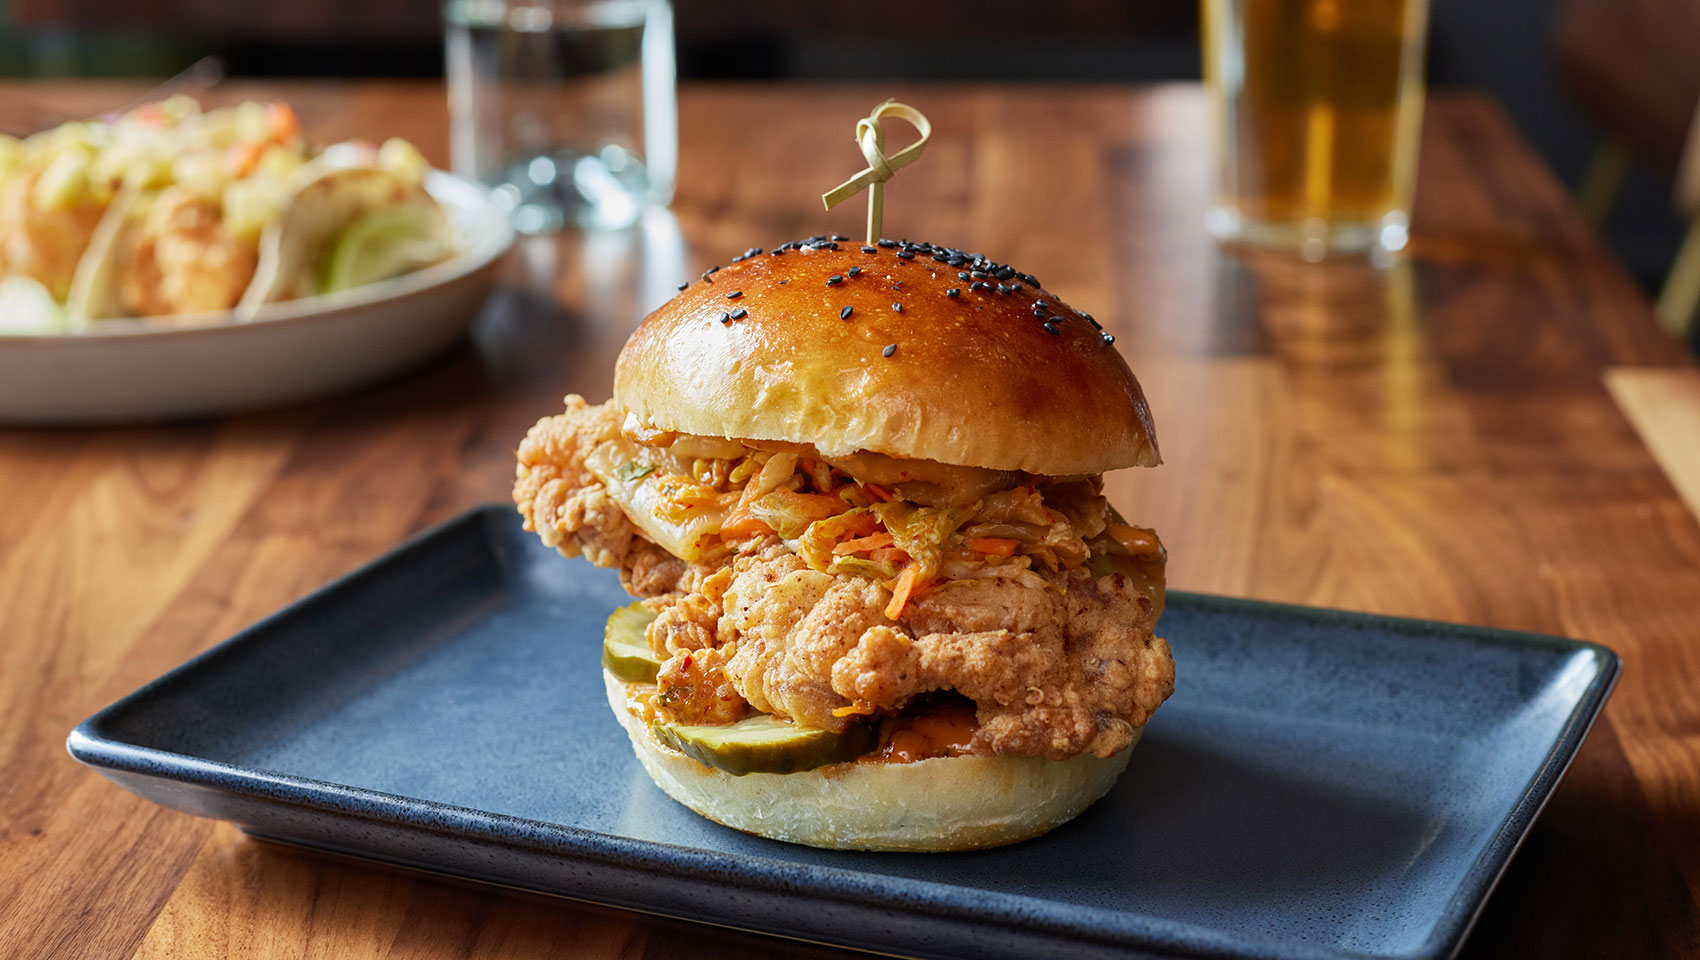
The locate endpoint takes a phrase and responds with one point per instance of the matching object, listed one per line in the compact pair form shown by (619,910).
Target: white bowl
(186,366)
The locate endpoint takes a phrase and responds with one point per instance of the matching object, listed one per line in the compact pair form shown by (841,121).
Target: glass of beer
(1315,107)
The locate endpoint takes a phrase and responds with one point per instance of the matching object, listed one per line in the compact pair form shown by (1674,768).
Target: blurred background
(1606,87)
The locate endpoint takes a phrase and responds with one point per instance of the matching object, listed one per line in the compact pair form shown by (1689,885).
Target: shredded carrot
(877,492)
(859,544)
(889,555)
(996,546)
(283,122)
(902,590)
(241,158)
(742,524)
(859,708)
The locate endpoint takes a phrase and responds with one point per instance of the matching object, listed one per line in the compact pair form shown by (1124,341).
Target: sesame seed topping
(1004,288)
(890,349)
(726,318)
(735,294)
(888,244)
(839,237)
(870,249)
(684,285)
(962,275)
(906,255)
(953,292)
(979,286)
(846,312)
(855,271)
(740,313)
(1054,320)
(1051,329)
(1109,338)
(835,280)
(897,307)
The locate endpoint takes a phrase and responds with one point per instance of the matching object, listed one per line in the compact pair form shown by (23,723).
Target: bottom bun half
(946,803)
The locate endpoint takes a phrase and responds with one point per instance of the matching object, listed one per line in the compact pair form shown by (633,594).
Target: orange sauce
(940,731)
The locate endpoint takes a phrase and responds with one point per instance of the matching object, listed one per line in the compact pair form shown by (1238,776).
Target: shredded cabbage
(863,567)
(1018,504)
(816,543)
(790,513)
(921,532)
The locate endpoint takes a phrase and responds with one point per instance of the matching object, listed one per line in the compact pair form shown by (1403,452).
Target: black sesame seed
(726,318)
(870,249)
(978,274)
(845,313)
(1040,305)
(734,294)
(740,313)
(979,285)
(1005,273)
(890,349)
(1055,320)
(1015,287)
(778,250)
(840,237)
(1109,338)
(855,271)
(710,270)
(1051,329)
(683,285)
(1005,288)
(1095,324)
(898,307)
(905,254)
(835,280)
(961,275)
(953,292)
(888,244)
(940,257)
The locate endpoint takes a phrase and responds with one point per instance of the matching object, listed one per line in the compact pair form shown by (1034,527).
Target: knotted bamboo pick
(871,138)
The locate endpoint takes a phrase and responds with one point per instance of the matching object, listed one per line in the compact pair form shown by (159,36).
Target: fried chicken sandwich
(883,602)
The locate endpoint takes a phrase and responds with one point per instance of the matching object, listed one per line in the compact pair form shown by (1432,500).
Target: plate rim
(92,743)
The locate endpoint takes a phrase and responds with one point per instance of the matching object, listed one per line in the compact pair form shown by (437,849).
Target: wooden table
(1436,440)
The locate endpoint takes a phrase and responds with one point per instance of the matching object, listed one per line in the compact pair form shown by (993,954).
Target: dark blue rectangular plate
(1322,784)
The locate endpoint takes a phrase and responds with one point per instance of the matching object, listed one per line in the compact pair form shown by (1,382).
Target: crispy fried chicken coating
(1057,665)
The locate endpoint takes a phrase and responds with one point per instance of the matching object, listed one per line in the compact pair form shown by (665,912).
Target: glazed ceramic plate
(1321,785)
(185,366)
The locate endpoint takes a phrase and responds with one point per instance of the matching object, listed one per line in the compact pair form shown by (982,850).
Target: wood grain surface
(1433,439)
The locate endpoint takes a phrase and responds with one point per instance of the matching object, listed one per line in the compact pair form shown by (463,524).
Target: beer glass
(1315,107)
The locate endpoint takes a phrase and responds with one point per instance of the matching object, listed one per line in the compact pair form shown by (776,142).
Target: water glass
(565,108)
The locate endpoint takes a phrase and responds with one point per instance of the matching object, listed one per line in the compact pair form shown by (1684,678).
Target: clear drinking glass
(1316,106)
(565,108)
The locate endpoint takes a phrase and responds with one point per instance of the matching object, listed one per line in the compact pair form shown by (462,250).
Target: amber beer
(1316,105)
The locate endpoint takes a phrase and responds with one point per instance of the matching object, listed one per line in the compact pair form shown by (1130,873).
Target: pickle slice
(767,744)
(625,652)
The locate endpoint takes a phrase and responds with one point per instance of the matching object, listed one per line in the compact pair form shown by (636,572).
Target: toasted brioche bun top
(977,379)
